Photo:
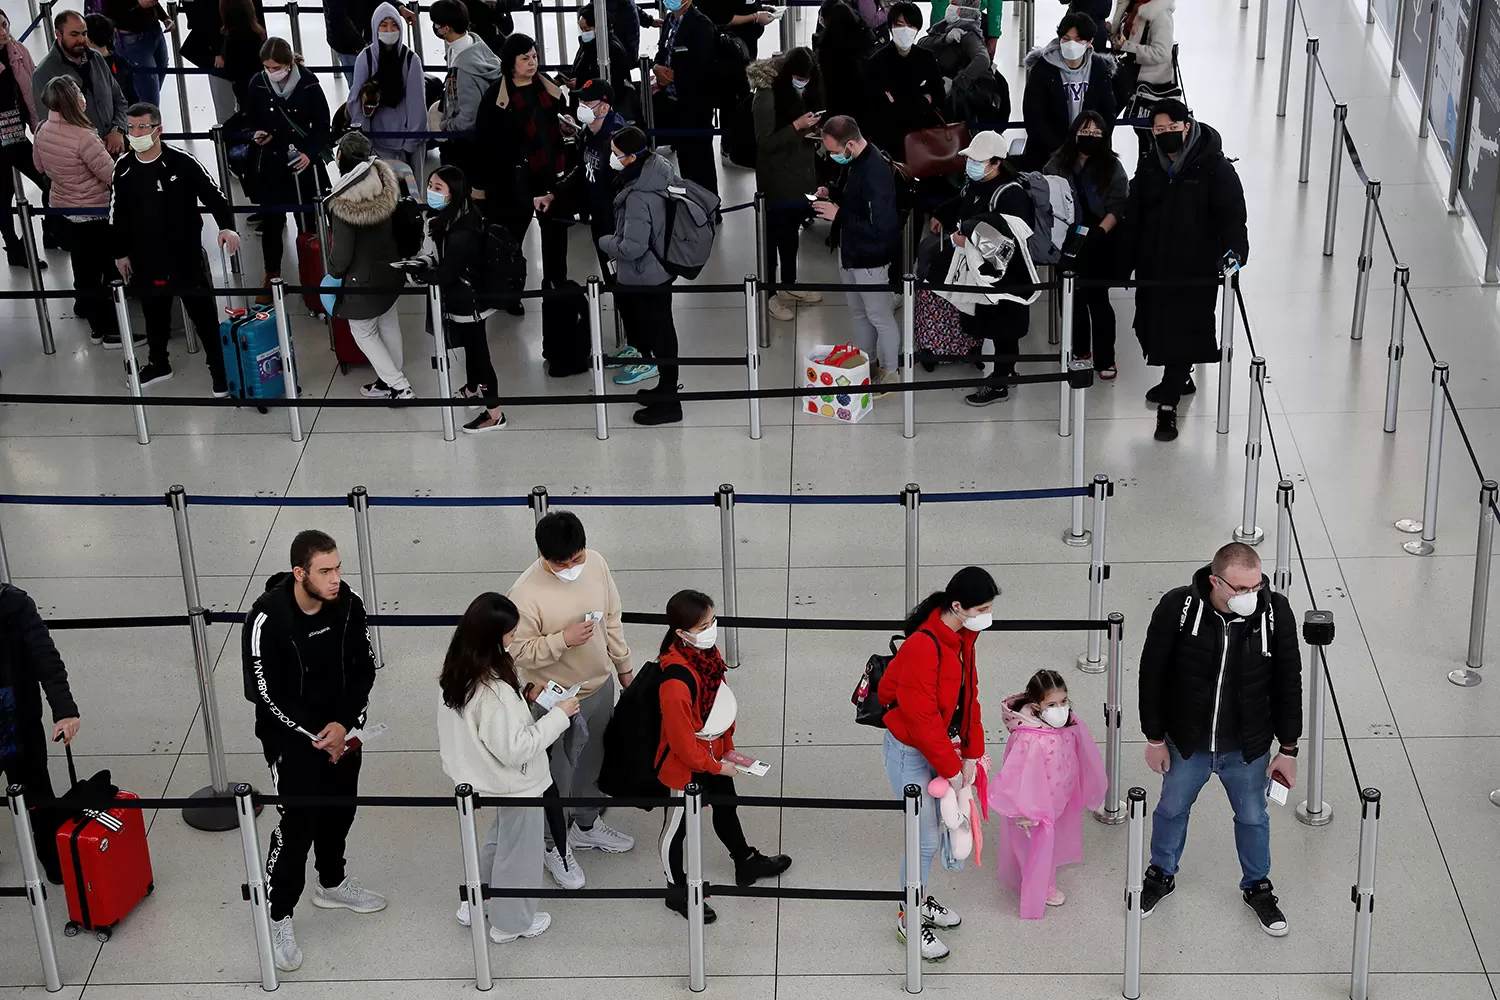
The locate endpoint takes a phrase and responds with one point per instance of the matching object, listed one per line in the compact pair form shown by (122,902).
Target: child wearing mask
(1051,771)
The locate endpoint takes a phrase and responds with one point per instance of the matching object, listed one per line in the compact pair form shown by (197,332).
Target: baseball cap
(987,145)
(597,90)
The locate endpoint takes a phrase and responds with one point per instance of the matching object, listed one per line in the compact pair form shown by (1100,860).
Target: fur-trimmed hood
(366,196)
(762,74)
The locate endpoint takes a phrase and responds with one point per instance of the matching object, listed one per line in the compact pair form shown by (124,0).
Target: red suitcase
(345,349)
(106,865)
(310,271)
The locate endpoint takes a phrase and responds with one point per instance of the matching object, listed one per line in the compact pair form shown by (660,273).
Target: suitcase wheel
(150,888)
(343,368)
(70,929)
(262,409)
(103,934)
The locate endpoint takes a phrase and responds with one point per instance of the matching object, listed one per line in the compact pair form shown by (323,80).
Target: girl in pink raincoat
(1050,772)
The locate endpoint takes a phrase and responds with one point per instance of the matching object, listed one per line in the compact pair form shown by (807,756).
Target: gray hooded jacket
(640,224)
(469,76)
(959,45)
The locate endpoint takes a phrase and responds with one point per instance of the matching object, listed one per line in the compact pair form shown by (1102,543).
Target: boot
(15,256)
(748,870)
(264,298)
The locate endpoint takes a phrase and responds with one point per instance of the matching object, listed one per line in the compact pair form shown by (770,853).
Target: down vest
(1183,678)
(75,159)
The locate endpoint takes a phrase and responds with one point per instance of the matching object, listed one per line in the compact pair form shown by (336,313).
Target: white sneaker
(806,298)
(778,309)
(538,925)
(565,869)
(463,913)
(935,914)
(284,946)
(933,949)
(349,895)
(600,837)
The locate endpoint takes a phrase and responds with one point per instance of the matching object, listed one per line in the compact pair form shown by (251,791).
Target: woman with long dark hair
(1100,189)
(933,724)
(697,731)
(488,739)
(238,59)
(387,95)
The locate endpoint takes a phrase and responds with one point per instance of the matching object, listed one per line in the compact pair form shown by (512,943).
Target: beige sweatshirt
(548,605)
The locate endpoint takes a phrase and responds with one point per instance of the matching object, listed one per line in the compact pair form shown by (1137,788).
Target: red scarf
(710,668)
(1127,23)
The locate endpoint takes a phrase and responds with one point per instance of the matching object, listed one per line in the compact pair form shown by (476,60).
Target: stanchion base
(1089,666)
(1465,678)
(1418,547)
(1252,537)
(1410,525)
(1077,541)
(1322,818)
(1495,797)
(216,815)
(1112,818)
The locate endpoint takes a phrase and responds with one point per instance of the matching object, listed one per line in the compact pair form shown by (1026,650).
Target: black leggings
(479,370)
(1004,324)
(1094,326)
(784,232)
(726,820)
(18,156)
(273,238)
(649,328)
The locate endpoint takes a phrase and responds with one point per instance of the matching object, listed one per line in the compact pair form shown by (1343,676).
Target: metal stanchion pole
(724,500)
(1286,57)
(33,262)
(182,81)
(1080,378)
(474,879)
(1281,573)
(693,817)
(1305,163)
(415,7)
(1317,633)
(1366,259)
(440,359)
(215,815)
(912,907)
(1135,873)
(601,41)
(1425,545)
(1364,893)
(1112,811)
(1260,37)
(1462,101)
(539,502)
(648,108)
(596,354)
(1369,11)
(909,354)
(1054,308)
(177,500)
(1430,72)
(1479,605)
(1335,170)
(753,296)
(255,885)
(359,499)
(288,366)
(294,16)
(1248,532)
(48,34)
(1397,348)
(5,561)
(1399,30)
(36,892)
(1090,661)
(132,373)
(541,35)
(1065,285)
(762,269)
(1226,344)
(911,500)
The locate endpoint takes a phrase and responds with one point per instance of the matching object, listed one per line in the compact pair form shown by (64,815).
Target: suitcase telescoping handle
(72,771)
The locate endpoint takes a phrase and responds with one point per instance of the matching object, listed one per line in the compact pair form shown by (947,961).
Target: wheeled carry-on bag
(252,349)
(106,863)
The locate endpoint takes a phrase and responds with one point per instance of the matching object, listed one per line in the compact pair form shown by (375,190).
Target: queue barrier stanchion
(1054,307)
(48,33)
(1396,33)
(596,354)
(1363,893)
(601,40)
(693,816)
(724,500)
(648,106)
(1427,526)
(177,500)
(908,354)
(1248,532)
(911,800)
(1135,873)
(1397,349)
(36,892)
(215,815)
(233,271)
(1468,675)
(440,358)
(127,348)
(1286,57)
(1090,660)
(540,35)
(1080,378)
(762,270)
(473,888)
(1065,285)
(1281,573)
(911,500)
(33,263)
(1261,29)
(359,500)
(288,364)
(1335,171)
(1317,633)
(175,34)
(539,502)
(1229,281)
(754,296)
(255,885)
(1304,162)
(294,15)
(415,6)
(1366,259)
(1111,811)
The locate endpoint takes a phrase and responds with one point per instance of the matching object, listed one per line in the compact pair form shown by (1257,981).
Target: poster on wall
(1450,35)
(1480,166)
(1416,39)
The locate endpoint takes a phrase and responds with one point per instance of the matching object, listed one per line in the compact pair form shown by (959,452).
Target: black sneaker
(655,414)
(483,424)
(154,372)
(1157,391)
(221,385)
(987,394)
(1155,887)
(15,256)
(1262,900)
(678,905)
(1166,424)
(757,866)
(375,390)
(112,341)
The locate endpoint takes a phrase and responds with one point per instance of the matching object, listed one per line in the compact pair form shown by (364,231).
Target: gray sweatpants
(511,854)
(582,781)
(872,312)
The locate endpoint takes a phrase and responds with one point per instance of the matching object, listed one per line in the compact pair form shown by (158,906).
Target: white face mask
(570,574)
(799,85)
(1056,716)
(978,623)
(586,36)
(706,639)
(904,37)
(586,115)
(615,163)
(279,75)
(390,37)
(139,143)
(1244,604)
(1073,51)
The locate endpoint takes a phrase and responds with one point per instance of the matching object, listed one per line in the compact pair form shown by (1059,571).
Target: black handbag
(868,711)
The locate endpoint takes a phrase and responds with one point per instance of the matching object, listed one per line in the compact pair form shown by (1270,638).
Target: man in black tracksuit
(308,670)
(684,73)
(29,667)
(1221,675)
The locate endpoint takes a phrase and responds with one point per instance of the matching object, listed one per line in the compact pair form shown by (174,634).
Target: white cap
(987,145)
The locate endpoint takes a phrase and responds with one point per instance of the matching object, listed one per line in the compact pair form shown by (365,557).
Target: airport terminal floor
(1402,621)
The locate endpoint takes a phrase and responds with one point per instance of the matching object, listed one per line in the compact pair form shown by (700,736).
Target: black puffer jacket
(1184,657)
(30,666)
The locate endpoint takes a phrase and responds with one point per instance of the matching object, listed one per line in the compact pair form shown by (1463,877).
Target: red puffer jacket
(926,682)
(681,752)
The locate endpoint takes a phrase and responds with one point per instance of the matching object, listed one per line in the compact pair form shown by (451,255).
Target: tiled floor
(1429,746)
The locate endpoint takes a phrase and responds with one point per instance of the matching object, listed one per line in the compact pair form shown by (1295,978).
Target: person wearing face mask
(1220,676)
(905,82)
(388,94)
(487,738)
(586,63)
(993,19)
(1064,77)
(570,633)
(1187,214)
(344,22)
(698,713)
(1144,35)
(975,91)
(472,67)
(843,44)
(684,92)
(1052,771)
(600,121)
(933,723)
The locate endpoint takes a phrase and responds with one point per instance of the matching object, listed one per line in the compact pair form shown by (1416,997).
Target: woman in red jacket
(697,730)
(933,725)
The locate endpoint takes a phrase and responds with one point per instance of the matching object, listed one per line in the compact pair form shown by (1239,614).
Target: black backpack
(502,272)
(729,82)
(631,763)
(407,225)
(565,331)
(868,711)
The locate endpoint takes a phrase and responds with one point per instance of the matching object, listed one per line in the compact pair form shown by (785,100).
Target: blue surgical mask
(435,201)
(799,85)
(974,169)
(840,158)
(673,6)
(587,36)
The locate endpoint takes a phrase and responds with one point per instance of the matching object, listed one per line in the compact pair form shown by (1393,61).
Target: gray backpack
(692,220)
(1053,214)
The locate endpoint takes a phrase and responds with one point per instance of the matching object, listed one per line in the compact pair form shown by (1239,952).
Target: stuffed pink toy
(954,808)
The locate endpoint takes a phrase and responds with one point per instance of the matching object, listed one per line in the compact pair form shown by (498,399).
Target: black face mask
(1171,142)
(1090,145)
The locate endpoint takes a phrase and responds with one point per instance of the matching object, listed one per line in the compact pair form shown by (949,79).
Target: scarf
(710,668)
(284,89)
(1127,23)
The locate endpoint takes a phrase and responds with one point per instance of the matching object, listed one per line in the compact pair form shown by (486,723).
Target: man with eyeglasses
(1221,675)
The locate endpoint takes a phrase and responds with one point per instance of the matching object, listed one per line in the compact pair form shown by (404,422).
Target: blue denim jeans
(1245,784)
(904,766)
(145,50)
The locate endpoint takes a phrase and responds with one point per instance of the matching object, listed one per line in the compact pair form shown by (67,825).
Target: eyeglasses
(1239,591)
(140,128)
